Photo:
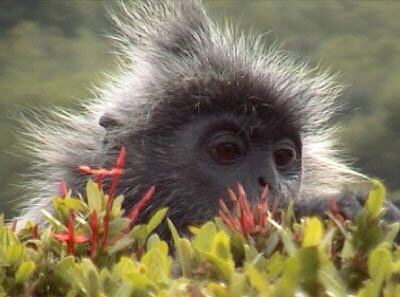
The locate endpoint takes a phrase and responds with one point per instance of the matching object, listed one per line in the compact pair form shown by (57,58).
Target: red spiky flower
(70,237)
(13,225)
(245,219)
(94,228)
(35,231)
(134,212)
(333,211)
(100,173)
(115,173)
(63,189)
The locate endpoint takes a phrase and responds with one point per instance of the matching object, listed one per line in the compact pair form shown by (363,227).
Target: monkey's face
(227,148)
(202,136)
(192,165)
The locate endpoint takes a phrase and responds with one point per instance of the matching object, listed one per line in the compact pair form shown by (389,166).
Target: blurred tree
(44,61)
(68,16)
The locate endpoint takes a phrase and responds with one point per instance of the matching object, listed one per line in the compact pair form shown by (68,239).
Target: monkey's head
(198,108)
(202,110)
(207,135)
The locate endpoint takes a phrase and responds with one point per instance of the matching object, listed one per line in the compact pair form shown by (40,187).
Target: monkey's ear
(108,122)
(111,139)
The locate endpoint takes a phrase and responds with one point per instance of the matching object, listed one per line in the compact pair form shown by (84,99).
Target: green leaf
(312,232)
(24,271)
(216,289)
(375,199)
(135,273)
(158,263)
(15,254)
(202,240)
(116,210)
(94,197)
(52,220)
(153,242)
(370,289)
(93,283)
(92,279)
(288,282)
(221,255)
(250,253)
(309,262)
(156,219)
(330,278)
(174,232)
(393,231)
(380,263)
(275,264)
(332,284)
(117,226)
(185,256)
(258,280)
(120,245)
(140,281)
(124,266)
(73,203)
(239,285)
(139,234)
(125,290)
(109,284)
(286,236)
(221,246)
(225,268)
(65,267)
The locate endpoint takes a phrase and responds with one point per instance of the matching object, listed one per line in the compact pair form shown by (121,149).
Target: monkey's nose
(262,182)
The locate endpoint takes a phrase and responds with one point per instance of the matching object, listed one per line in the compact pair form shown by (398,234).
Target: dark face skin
(222,151)
(193,166)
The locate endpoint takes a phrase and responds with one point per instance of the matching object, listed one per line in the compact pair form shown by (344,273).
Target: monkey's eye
(284,157)
(226,148)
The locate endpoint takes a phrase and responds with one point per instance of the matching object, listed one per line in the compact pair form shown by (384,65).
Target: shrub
(92,247)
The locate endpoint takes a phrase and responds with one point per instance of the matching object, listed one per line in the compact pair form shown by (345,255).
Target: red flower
(134,212)
(13,225)
(63,194)
(245,219)
(117,173)
(63,189)
(334,211)
(70,238)
(100,174)
(95,233)
(35,231)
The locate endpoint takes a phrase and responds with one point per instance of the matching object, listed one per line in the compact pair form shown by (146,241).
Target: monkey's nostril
(262,181)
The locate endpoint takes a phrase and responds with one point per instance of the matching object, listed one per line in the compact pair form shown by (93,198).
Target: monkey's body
(197,109)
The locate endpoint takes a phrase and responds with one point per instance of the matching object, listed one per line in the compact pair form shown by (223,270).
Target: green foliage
(311,257)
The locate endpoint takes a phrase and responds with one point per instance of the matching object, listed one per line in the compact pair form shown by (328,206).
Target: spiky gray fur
(163,44)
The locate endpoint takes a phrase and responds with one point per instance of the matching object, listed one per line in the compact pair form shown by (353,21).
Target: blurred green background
(52,52)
